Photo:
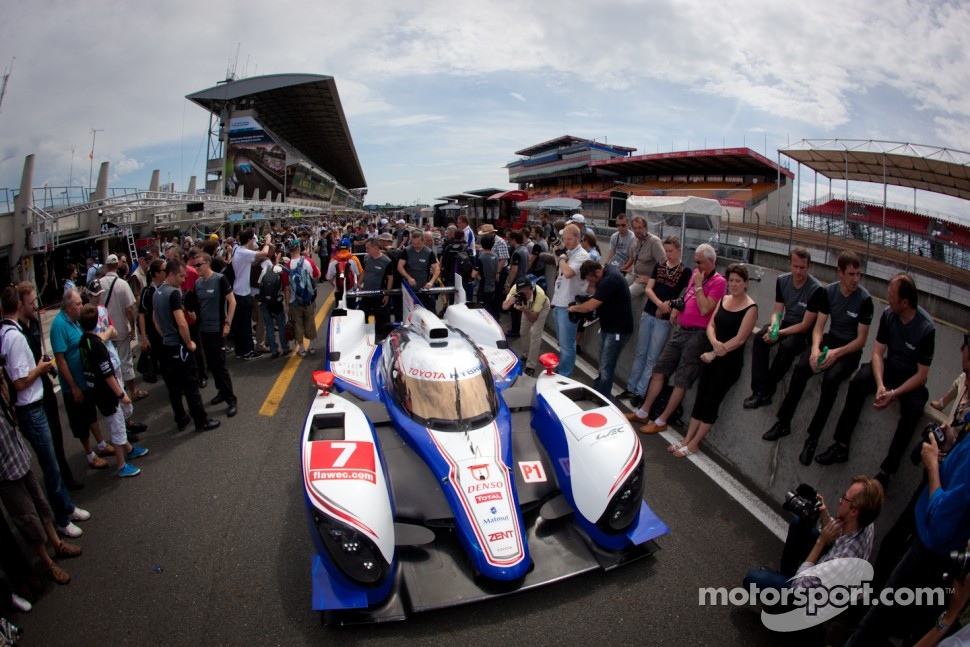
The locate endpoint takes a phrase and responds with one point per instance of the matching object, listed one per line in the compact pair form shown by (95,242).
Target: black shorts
(80,416)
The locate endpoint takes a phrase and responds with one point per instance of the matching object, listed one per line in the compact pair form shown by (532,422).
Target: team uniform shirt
(486,264)
(520,259)
(794,299)
(20,361)
(65,335)
(714,287)
(669,283)
(908,345)
(104,321)
(212,293)
(469,237)
(845,312)
(621,247)
(616,309)
(538,266)
(402,237)
(98,368)
(567,289)
(418,264)
(376,271)
(167,301)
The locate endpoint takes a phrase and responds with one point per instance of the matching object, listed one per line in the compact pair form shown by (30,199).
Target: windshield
(446,401)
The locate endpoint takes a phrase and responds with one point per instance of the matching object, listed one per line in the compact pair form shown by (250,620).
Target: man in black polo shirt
(847,308)
(793,292)
(419,267)
(378,275)
(518,268)
(612,300)
(901,361)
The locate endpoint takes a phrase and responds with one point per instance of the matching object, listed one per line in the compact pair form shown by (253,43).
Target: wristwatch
(941,626)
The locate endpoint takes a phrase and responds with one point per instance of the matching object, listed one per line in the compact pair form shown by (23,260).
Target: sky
(439,95)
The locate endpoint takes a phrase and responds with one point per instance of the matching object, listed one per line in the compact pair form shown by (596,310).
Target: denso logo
(489,496)
(487,520)
(482,487)
(499,536)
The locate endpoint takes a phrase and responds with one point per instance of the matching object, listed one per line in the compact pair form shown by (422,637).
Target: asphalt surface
(210,545)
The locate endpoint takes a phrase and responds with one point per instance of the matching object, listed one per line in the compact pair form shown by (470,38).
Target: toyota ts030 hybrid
(441,476)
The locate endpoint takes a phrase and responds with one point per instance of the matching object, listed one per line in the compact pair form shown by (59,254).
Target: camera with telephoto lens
(803,503)
(678,304)
(579,317)
(958,567)
(931,429)
(48,358)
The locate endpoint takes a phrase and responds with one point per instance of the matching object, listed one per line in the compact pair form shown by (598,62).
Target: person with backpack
(344,270)
(272,304)
(301,296)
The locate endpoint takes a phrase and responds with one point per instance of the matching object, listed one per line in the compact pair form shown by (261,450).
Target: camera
(678,304)
(520,299)
(803,503)
(579,317)
(931,429)
(959,566)
(48,358)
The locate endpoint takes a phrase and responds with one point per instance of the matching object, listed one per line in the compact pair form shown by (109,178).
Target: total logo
(488,496)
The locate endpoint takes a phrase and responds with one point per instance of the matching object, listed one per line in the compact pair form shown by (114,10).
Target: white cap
(578,218)
(111,260)
(401,222)
(383,221)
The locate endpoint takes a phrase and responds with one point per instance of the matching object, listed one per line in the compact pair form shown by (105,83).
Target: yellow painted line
(275,395)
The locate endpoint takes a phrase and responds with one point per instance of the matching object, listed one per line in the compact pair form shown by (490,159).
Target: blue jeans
(280,320)
(764,578)
(34,427)
(610,346)
(651,340)
(566,335)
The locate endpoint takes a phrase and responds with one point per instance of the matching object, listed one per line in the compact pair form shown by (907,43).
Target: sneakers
(80,515)
(756,400)
(626,395)
(653,428)
(778,430)
(128,470)
(97,463)
(58,574)
(808,451)
(250,355)
(70,530)
(835,454)
(208,425)
(20,603)
(136,452)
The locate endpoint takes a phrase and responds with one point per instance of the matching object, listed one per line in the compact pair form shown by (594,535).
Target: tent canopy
(560,203)
(700,213)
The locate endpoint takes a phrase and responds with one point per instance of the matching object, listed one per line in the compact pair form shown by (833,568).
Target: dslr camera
(580,317)
(48,358)
(931,429)
(958,567)
(803,503)
(520,299)
(678,304)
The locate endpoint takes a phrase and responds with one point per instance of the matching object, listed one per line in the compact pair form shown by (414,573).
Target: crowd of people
(186,303)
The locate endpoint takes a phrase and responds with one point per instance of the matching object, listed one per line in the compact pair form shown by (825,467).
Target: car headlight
(624,505)
(353,552)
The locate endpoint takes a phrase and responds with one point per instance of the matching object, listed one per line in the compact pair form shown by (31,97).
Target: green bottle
(775,324)
(821,358)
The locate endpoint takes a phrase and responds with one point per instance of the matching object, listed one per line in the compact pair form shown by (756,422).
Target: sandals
(675,447)
(138,395)
(683,452)
(301,352)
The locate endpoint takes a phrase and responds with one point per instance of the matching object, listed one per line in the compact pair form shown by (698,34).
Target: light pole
(94,136)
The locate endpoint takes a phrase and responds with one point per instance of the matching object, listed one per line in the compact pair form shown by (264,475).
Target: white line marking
(771,520)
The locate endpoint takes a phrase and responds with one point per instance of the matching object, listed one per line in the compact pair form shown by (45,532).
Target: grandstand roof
(939,170)
(714,161)
(303,109)
(567,140)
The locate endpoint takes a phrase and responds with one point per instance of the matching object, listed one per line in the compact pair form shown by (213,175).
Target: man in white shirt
(243,257)
(568,285)
(119,301)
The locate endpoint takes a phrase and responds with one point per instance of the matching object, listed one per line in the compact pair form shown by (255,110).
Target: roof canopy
(715,161)
(303,109)
(939,170)
(700,213)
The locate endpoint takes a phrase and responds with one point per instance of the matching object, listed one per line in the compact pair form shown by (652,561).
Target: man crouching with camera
(815,536)
(532,302)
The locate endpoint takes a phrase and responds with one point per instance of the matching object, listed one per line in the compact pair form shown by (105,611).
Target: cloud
(413,120)
(518,96)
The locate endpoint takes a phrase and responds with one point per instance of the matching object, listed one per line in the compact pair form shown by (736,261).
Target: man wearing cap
(612,300)
(532,302)
(568,285)
(139,278)
(119,301)
(401,234)
(580,220)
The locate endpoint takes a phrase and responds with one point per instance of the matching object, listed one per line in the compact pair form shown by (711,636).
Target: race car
(442,475)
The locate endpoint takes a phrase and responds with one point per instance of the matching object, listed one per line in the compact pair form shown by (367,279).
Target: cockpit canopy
(444,385)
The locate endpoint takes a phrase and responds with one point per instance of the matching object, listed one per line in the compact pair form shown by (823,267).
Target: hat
(486,229)
(94,288)
(400,221)
(383,221)
(344,242)
(213,236)
(144,253)
(111,260)
(389,238)
(578,218)
(523,283)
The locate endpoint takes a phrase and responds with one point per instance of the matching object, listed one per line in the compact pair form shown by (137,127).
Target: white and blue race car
(442,476)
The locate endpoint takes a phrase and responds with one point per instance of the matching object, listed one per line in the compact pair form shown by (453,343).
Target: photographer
(813,529)
(941,512)
(569,283)
(612,299)
(531,301)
